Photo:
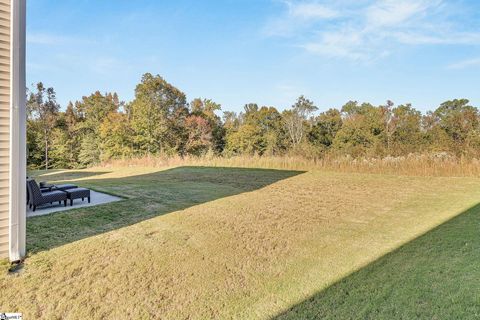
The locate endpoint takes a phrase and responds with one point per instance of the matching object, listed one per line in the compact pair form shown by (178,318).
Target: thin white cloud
(446,38)
(345,43)
(469,63)
(370,29)
(299,15)
(311,11)
(391,13)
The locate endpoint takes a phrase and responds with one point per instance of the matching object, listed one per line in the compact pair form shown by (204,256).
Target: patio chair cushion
(53,196)
(64,187)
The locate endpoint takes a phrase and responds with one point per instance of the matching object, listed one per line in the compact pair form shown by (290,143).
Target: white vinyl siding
(5,84)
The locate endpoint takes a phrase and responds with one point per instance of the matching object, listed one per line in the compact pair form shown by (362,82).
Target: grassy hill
(209,242)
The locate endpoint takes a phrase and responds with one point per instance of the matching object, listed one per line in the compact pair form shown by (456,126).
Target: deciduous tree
(294,119)
(43,108)
(158,115)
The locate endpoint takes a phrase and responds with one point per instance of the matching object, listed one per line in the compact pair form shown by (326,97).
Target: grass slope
(202,243)
(433,277)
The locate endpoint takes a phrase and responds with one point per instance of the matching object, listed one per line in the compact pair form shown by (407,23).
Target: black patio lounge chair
(45,187)
(38,198)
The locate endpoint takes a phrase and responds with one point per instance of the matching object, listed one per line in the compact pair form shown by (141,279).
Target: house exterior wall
(5,86)
(12,129)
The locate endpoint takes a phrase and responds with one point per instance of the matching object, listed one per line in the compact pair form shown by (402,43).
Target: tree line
(160,120)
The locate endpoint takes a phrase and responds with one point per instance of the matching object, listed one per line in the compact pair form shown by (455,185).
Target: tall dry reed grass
(439,164)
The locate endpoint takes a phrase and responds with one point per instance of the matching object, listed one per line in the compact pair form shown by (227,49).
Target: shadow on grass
(436,276)
(148,196)
(64,175)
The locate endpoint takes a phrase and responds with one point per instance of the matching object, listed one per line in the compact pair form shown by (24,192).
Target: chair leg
(88,199)
(59,202)
(71,202)
(83,199)
(34,208)
(64,203)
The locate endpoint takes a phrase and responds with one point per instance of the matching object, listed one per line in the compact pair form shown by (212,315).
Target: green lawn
(203,243)
(436,276)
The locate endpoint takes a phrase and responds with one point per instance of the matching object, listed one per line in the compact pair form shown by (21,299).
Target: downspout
(18,161)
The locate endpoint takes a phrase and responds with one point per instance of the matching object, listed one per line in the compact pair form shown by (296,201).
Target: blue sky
(264,51)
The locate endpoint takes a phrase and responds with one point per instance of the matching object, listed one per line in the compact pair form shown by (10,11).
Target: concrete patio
(97,198)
